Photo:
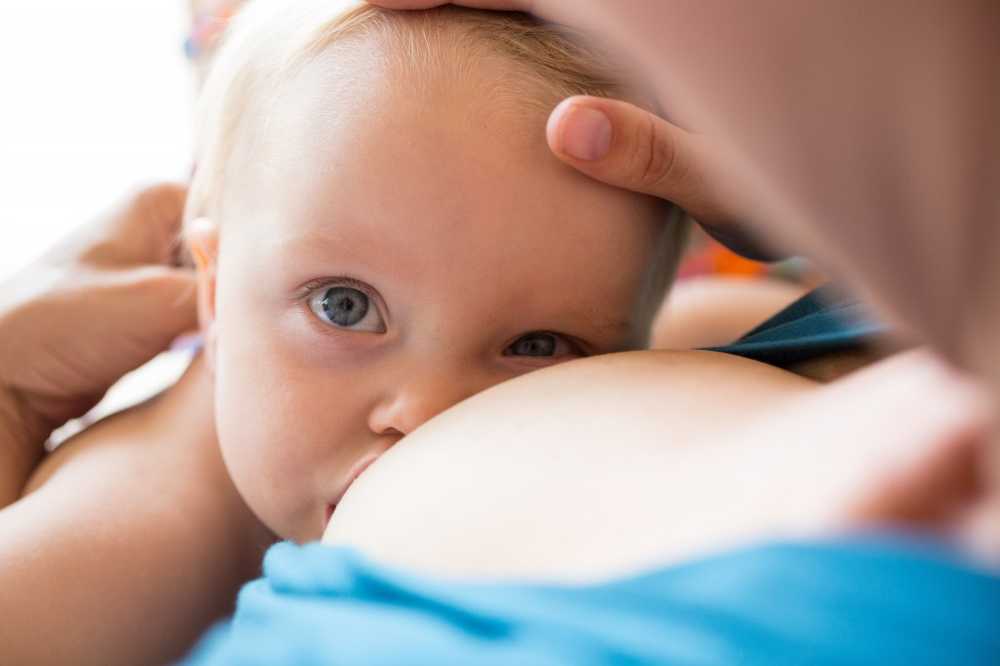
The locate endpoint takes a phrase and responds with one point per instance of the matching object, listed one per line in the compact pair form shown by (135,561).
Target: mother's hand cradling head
(628,147)
(100,304)
(616,142)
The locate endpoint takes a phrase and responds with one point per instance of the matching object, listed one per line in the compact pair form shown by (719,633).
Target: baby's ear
(202,238)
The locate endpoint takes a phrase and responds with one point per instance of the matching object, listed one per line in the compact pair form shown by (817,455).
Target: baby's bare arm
(130,541)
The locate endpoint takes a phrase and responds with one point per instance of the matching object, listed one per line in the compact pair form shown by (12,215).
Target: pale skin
(108,472)
(80,551)
(658,456)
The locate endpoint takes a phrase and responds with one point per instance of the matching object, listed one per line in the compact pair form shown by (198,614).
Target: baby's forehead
(502,61)
(484,61)
(364,116)
(344,146)
(362,74)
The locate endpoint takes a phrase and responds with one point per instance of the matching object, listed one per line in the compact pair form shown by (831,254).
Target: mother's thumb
(625,146)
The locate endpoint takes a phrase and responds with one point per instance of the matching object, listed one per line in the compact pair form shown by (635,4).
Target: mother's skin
(602,466)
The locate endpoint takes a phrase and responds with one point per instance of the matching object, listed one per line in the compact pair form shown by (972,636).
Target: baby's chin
(306,533)
(306,526)
(316,527)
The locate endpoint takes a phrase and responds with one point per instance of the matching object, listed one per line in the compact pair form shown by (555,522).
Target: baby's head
(388,234)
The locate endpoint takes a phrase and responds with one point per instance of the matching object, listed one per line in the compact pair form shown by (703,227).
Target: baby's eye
(542,344)
(346,307)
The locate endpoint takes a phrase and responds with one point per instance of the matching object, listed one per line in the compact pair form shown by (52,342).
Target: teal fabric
(821,322)
(862,602)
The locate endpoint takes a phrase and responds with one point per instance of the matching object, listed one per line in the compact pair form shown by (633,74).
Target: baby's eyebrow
(616,325)
(595,318)
(320,243)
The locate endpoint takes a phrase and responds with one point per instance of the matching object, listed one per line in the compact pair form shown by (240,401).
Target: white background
(95,95)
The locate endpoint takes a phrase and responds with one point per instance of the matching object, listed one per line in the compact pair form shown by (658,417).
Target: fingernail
(586,133)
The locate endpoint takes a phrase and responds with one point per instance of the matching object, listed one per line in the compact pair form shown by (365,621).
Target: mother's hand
(100,304)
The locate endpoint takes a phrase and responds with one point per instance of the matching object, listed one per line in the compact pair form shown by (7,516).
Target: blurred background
(97,96)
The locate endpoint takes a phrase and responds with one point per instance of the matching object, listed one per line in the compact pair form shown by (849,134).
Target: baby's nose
(416,400)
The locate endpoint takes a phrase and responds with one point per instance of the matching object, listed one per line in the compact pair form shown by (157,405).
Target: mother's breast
(577,472)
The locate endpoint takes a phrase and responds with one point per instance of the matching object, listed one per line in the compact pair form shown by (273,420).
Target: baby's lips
(356,472)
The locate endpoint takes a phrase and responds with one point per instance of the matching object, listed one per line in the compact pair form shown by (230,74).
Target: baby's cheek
(259,433)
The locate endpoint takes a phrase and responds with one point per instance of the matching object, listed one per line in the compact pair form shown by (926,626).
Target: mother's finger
(144,228)
(625,146)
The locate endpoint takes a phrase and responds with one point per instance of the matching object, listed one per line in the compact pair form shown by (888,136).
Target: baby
(380,232)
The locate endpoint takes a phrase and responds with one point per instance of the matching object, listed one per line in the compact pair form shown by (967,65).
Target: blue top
(861,602)
(821,322)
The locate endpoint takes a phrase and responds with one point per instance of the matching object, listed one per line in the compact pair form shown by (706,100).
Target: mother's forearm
(21,447)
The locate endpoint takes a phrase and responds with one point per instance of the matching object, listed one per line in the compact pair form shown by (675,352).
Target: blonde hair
(270,40)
